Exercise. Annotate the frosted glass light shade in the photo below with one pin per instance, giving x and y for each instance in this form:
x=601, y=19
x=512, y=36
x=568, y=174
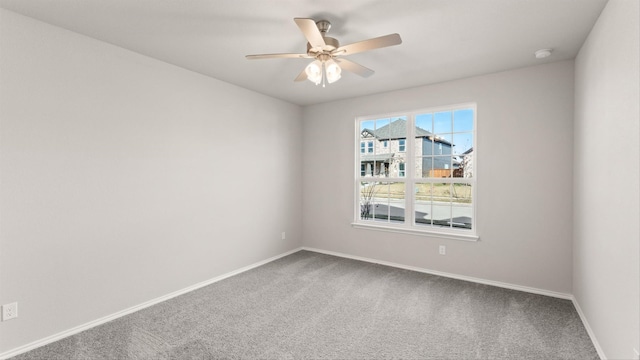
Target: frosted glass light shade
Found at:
x=314, y=72
x=333, y=71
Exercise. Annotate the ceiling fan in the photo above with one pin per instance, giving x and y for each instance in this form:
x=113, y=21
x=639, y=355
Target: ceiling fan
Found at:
x=326, y=51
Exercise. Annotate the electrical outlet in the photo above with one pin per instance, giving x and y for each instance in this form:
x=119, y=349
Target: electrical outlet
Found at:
x=9, y=311
x=442, y=250
x=284, y=235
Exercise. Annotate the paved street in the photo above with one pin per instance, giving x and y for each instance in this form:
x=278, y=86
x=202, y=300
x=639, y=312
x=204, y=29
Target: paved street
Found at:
x=424, y=210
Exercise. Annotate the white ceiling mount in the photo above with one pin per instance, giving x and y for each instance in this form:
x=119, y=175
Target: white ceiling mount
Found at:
x=543, y=53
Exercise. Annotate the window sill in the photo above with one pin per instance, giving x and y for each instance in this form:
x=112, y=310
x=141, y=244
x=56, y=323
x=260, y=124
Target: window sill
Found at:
x=420, y=232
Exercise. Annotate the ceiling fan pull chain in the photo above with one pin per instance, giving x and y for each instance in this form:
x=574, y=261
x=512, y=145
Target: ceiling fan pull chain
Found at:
x=324, y=74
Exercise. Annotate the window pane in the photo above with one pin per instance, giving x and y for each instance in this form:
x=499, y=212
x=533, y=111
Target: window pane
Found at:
x=397, y=133
x=395, y=169
x=427, y=145
x=461, y=217
x=441, y=215
x=442, y=123
x=425, y=122
x=382, y=123
x=442, y=167
x=462, y=142
x=442, y=145
x=382, y=201
x=423, y=166
x=441, y=193
x=422, y=204
x=461, y=211
x=461, y=194
x=381, y=168
x=466, y=164
x=463, y=120
x=367, y=191
x=394, y=210
x=367, y=125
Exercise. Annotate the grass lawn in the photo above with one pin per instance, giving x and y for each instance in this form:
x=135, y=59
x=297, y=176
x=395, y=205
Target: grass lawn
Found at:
x=458, y=193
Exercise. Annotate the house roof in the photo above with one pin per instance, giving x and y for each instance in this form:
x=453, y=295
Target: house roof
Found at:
x=397, y=129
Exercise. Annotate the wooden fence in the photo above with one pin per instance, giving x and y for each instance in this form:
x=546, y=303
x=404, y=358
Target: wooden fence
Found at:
x=445, y=173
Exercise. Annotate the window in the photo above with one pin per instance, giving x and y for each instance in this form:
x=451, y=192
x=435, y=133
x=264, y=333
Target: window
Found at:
x=366, y=147
x=385, y=143
x=435, y=194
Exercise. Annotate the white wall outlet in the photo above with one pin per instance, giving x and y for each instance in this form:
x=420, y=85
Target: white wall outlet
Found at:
x=284, y=235
x=442, y=250
x=9, y=311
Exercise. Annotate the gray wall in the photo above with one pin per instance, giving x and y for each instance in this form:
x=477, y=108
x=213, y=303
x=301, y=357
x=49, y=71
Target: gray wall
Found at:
x=606, y=232
x=125, y=179
x=524, y=214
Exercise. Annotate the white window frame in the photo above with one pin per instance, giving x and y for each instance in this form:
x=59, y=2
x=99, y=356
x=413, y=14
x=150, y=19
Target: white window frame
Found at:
x=408, y=227
x=403, y=146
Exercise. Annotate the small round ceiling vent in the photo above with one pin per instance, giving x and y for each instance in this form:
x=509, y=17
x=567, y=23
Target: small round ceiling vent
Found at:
x=543, y=53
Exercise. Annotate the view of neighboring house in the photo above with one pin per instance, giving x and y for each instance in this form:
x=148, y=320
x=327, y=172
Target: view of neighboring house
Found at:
x=467, y=163
x=383, y=152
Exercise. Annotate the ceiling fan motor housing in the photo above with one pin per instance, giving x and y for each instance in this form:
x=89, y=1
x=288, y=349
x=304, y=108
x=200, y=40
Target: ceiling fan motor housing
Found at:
x=330, y=45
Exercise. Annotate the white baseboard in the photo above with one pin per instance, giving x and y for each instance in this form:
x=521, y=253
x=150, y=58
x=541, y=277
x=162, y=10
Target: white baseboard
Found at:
x=592, y=335
x=449, y=275
x=94, y=323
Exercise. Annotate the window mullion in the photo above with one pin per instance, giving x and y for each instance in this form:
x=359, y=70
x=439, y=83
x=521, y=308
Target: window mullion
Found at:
x=410, y=170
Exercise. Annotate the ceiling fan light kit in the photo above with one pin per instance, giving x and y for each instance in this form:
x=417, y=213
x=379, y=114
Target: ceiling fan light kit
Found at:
x=321, y=71
x=325, y=51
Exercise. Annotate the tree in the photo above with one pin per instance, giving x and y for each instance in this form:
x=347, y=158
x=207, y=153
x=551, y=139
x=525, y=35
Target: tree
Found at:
x=367, y=193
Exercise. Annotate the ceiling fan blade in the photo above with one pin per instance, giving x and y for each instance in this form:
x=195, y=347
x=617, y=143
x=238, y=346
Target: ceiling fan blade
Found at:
x=302, y=76
x=311, y=32
x=354, y=67
x=273, y=56
x=371, y=44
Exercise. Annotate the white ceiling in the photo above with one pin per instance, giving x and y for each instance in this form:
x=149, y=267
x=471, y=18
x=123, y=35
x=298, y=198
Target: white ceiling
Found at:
x=442, y=39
